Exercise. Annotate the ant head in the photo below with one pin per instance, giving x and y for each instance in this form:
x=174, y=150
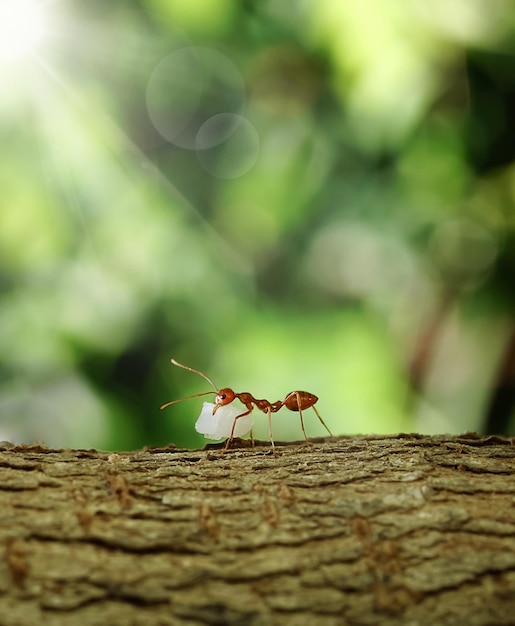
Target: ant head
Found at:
x=224, y=396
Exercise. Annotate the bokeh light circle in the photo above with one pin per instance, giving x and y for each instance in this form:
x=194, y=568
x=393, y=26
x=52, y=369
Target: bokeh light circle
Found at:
x=187, y=88
x=236, y=155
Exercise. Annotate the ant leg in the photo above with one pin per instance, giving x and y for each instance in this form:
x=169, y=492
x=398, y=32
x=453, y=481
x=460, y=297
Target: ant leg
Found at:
x=323, y=423
x=301, y=417
x=269, y=413
x=231, y=436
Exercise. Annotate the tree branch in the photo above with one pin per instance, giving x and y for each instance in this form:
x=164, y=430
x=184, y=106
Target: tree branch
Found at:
x=365, y=530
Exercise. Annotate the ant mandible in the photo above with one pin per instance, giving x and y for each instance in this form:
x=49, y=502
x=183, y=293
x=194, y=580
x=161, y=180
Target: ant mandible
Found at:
x=294, y=401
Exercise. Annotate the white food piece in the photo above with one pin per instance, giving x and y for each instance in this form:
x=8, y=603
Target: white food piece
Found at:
x=219, y=425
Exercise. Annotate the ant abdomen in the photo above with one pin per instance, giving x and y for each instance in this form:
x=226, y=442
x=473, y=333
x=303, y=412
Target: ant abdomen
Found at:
x=304, y=398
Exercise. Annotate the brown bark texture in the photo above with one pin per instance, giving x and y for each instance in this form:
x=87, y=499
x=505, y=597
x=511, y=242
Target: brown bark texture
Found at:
x=407, y=529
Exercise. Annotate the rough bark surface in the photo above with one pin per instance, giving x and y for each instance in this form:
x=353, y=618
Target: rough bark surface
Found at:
x=360, y=531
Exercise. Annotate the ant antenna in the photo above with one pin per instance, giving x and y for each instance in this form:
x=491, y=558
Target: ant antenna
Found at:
x=196, y=395
x=185, y=367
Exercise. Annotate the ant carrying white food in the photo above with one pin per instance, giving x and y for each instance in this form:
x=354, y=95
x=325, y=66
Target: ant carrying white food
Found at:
x=294, y=401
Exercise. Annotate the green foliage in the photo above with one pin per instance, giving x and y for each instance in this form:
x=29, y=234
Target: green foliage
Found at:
x=286, y=196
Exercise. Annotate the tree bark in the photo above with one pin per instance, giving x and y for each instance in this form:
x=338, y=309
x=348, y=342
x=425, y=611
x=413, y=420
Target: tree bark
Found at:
x=393, y=530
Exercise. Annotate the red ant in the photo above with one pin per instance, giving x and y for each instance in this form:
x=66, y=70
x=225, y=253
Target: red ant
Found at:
x=294, y=401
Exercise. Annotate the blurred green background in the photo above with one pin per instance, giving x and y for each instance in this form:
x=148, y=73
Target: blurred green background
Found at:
x=284, y=194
